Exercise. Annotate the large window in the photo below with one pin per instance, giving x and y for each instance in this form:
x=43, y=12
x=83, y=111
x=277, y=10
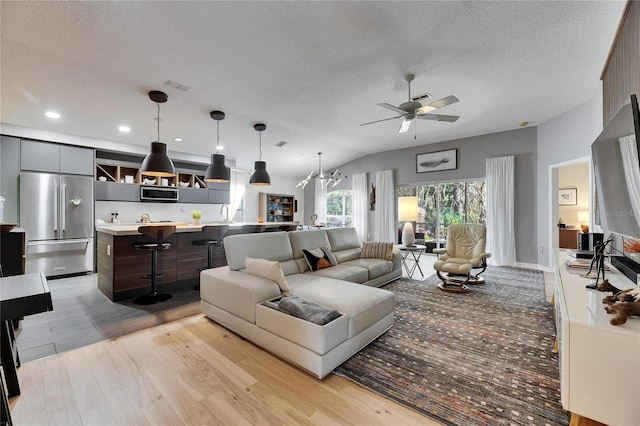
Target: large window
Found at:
x=339, y=208
x=442, y=204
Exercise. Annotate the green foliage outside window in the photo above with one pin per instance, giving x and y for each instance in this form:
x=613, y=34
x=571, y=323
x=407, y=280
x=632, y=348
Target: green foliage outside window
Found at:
x=339, y=208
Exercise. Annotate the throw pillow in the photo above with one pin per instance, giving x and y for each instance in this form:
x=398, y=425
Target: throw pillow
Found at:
x=319, y=258
x=269, y=269
x=377, y=250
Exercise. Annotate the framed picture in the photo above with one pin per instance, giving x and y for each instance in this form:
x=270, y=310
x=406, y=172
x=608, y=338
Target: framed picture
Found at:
x=435, y=161
x=568, y=197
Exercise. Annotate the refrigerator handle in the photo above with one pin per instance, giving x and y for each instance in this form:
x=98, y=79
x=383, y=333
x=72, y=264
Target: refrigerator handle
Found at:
x=63, y=201
x=55, y=207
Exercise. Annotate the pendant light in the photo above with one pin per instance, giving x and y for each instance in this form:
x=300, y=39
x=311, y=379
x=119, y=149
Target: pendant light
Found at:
x=217, y=172
x=260, y=177
x=157, y=162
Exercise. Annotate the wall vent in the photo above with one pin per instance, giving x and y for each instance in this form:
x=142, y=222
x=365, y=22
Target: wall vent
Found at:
x=281, y=144
x=176, y=85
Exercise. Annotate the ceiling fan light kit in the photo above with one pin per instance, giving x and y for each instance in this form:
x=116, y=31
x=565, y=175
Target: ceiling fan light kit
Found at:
x=413, y=109
x=217, y=172
x=157, y=162
x=320, y=176
x=260, y=177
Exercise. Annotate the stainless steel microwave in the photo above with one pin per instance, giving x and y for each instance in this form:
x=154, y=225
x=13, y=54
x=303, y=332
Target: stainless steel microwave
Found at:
x=158, y=195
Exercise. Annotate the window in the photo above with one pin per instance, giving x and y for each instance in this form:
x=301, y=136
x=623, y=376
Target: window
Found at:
x=442, y=204
x=339, y=208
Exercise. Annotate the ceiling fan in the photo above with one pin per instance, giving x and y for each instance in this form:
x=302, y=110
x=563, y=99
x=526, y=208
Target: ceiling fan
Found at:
x=414, y=109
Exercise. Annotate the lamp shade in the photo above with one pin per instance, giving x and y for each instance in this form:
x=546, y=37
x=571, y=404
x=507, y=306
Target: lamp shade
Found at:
x=583, y=216
x=407, y=209
x=157, y=162
x=260, y=177
x=217, y=172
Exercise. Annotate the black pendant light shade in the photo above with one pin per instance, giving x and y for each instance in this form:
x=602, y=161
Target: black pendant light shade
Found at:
x=217, y=172
x=260, y=177
x=157, y=162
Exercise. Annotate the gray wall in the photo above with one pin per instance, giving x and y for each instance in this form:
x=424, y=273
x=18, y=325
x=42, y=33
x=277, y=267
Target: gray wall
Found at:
x=472, y=154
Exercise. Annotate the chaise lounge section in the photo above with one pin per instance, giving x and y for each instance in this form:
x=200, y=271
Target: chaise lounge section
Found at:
x=235, y=299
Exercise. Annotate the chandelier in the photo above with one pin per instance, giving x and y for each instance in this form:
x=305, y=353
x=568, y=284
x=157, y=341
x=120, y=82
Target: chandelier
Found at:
x=325, y=180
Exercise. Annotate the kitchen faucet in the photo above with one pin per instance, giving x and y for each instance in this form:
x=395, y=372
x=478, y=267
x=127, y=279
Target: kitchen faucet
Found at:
x=225, y=207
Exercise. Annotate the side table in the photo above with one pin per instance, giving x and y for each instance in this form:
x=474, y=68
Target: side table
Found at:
x=411, y=254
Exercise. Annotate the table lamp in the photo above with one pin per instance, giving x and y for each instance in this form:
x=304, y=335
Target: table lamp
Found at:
x=408, y=212
x=583, y=219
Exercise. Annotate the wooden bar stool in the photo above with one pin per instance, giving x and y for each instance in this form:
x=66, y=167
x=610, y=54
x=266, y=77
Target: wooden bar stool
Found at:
x=214, y=235
x=155, y=245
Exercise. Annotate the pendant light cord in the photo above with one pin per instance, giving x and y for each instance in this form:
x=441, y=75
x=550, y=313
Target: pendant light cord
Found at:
x=217, y=135
x=260, y=135
x=158, y=120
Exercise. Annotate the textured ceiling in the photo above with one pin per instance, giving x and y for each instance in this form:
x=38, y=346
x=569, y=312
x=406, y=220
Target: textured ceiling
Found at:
x=312, y=71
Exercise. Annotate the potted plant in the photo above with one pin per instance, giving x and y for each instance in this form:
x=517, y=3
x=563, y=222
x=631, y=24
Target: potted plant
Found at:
x=197, y=217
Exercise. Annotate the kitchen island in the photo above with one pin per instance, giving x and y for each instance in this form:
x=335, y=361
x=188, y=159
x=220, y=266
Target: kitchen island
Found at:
x=121, y=267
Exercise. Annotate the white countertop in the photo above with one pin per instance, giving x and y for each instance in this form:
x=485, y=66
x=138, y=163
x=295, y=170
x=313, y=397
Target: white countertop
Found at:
x=132, y=228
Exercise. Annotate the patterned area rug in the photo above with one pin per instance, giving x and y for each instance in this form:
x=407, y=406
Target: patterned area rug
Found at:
x=478, y=358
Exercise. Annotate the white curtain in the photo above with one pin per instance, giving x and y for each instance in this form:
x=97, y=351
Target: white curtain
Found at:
x=629, y=152
x=385, y=224
x=359, y=204
x=321, y=202
x=239, y=181
x=501, y=240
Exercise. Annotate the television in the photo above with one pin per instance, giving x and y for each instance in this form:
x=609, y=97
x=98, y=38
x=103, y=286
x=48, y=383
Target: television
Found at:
x=616, y=194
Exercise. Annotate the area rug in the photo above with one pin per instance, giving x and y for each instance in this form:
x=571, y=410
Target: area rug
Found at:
x=478, y=358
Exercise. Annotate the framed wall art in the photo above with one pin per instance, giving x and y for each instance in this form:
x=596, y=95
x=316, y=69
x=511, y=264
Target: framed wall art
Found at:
x=435, y=161
x=568, y=197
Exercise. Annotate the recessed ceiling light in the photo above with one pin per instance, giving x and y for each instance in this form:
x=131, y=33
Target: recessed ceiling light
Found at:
x=524, y=123
x=177, y=139
x=220, y=147
x=52, y=114
x=124, y=129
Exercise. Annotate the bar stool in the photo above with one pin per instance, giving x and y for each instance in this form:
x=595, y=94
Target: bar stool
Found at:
x=155, y=245
x=214, y=235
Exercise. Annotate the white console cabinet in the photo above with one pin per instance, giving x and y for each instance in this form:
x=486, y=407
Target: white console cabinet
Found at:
x=599, y=362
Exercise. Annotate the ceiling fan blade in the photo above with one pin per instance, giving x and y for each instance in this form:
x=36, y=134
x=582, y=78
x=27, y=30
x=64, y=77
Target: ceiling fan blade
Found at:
x=437, y=104
x=378, y=121
x=439, y=117
x=392, y=108
x=406, y=123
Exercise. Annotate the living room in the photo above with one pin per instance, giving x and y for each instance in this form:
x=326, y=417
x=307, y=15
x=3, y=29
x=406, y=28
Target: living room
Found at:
x=546, y=142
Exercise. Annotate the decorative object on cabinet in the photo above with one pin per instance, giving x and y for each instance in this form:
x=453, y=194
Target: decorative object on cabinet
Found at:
x=276, y=207
x=324, y=180
x=157, y=162
x=260, y=177
x=568, y=197
x=217, y=171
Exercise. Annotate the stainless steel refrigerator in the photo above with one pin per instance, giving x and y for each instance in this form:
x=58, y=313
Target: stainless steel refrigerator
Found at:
x=56, y=212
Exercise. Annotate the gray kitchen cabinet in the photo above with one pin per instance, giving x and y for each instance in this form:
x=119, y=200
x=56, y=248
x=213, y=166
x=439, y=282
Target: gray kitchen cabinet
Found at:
x=187, y=195
x=9, y=172
x=219, y=196
x=55, y=158
x=109, y=191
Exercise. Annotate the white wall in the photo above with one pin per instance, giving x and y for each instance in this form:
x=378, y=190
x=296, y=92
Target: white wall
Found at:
x=562, y=139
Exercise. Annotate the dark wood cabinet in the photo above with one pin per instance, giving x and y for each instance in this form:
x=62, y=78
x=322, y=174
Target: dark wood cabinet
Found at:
x=12, y=252
x=568, y=238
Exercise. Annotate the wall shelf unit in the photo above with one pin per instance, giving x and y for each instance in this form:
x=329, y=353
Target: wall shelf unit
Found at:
x=276, y=207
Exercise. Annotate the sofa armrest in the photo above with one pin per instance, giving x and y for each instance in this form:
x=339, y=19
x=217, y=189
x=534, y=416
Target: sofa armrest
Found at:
x=236, y=292
x=396, y=259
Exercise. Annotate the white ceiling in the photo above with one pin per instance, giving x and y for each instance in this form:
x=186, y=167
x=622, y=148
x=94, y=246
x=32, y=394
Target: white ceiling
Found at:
x=312, y=71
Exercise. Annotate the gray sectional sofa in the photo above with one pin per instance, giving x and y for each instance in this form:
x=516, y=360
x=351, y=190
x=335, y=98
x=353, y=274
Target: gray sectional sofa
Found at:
x=234, y=298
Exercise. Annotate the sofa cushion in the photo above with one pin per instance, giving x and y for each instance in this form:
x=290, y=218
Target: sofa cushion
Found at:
x=347, y=254
x=376, y=267
x=377, y=250
x=319, y=258
x=269, y=246
x=362, y=304
x=350, y=273
x=301, y=240
x=343, y=238
x=269, y=269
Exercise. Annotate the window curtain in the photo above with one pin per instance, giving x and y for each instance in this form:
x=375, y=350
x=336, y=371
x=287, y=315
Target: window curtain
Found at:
x=321, y=202
x=629, y=152
x=385, y=223
x=239, y=181
x=359, y=204
x=501, y=240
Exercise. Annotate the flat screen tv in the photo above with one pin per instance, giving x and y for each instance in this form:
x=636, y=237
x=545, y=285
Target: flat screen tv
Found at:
x=617, y=194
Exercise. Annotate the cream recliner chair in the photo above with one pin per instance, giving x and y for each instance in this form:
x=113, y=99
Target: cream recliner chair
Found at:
x=464, y=252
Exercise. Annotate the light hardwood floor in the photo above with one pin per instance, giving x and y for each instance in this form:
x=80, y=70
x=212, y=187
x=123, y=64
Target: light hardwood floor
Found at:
x=187, y=372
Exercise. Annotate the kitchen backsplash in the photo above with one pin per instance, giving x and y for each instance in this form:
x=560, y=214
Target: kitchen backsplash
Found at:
x=180, y=212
